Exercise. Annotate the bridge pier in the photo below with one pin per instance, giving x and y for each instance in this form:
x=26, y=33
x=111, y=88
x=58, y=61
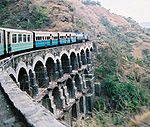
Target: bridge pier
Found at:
x=33, y=83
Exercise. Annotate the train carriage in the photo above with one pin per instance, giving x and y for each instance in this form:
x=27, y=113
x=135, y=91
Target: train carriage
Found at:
x=62, y=37
x=16, y=40
x=67, y=37
x=73, y=37
x=1, y=43
x=43, y=39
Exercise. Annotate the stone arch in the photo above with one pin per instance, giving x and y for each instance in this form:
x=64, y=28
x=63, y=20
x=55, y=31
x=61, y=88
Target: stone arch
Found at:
x=82, y=48
x=72, y=50
x=64, y=52
x=46, y=102
x=78, y=83
x=81, y=105
x=38, y=58
x=41, y=74
x=65, y=63
x=83, y=57
x=49, y=55
x=24, y=80
x=70, y=88
x=50, y=67
x=57, y=98
x=21, y=65
x=73, y=60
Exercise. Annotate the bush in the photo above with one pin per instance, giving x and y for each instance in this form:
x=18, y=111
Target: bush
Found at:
x=91, y=2
x=148, y=34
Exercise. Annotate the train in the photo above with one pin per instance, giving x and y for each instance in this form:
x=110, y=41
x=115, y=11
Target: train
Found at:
x=15, y=40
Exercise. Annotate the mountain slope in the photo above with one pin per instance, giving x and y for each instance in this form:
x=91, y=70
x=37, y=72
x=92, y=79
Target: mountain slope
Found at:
x=96, y=19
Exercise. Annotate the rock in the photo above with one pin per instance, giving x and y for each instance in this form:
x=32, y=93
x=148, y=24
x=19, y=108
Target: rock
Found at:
x=64, y=18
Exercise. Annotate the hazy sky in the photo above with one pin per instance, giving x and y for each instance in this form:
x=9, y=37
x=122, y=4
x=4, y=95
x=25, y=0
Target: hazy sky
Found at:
x=139, y=10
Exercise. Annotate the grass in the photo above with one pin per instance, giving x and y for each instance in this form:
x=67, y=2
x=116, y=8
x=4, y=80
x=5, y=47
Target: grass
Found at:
x=141, y=120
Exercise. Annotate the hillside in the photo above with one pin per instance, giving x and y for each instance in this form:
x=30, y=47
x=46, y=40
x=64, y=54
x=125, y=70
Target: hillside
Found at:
x=73, y=15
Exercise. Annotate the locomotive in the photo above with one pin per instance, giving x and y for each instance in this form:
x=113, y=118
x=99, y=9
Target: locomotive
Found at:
x=14, y=40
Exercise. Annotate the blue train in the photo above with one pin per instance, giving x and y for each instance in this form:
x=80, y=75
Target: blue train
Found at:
x=13, y=40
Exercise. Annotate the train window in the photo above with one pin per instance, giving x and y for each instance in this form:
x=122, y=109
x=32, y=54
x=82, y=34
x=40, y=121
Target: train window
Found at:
x=14, y=38
x=48, y=38
x=28, y=38
x=55, y=37
x=24, y=38
x=19, y=37
x=38, y=38
x=0, y=38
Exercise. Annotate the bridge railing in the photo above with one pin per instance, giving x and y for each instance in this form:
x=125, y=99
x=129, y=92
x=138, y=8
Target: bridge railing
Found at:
x=4, y=63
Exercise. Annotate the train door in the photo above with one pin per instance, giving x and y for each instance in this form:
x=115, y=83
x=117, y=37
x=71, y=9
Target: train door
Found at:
x=8, y=42
x=58, y=39
x=4, y=41
x=1, y=43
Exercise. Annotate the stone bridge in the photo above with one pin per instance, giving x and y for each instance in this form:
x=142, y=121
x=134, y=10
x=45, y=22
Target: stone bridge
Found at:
x=59, y=78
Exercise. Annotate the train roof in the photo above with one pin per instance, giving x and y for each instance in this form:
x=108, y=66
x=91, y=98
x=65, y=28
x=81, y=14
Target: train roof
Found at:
x=68, y=33
x=15, y=30
x=45, y=33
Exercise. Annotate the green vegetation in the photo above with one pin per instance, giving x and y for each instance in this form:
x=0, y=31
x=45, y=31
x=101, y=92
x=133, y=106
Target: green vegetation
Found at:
x=40, y=16
x=91, y=2
x=122, y=95
x=148, y=34
x=35, y=17
x=130, y=20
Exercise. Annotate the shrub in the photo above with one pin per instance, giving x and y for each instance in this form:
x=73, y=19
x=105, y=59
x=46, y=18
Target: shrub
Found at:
x=91, y=2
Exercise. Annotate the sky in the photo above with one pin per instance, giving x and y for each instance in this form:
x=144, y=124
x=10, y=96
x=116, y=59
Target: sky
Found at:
x=138, y=10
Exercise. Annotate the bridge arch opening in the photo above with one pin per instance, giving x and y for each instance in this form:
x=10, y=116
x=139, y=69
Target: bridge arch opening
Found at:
x=81, y=105
x=91, y=49
x=40, y=73
x=70, y=88
x=83, y=57
x=57, y=98
x=50, y=66
x=24, y=80
x=46, y=102
x=79, y=60
x=73, y=60
x=74, y=111
x=86, y=71
x=65, y=64
x=88, y=56
x=78, y=83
